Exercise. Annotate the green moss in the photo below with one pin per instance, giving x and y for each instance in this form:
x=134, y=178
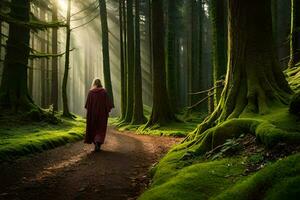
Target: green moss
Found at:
x=270, y=129
x=198, y=181
x=19, y=139
x=277, y=181
x=176, y=129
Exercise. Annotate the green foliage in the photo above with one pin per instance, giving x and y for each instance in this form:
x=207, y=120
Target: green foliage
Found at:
x=19, y=138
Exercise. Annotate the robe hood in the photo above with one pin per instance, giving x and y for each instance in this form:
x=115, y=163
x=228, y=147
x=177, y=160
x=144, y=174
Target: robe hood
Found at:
x=97, y=90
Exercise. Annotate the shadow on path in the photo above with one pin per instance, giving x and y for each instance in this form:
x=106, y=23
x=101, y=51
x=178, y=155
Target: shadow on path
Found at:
x=74, y=171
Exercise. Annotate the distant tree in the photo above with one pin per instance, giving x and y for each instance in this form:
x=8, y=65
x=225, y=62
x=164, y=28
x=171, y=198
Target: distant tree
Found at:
x=54, y=76
x=130, y=60
x=295, y=34
x=105, y=49
x=219, y=41
x=66, y=111
x=43, y=43
x=171, y=53
x=161, y=109
x=122, y=58
x=138, y=113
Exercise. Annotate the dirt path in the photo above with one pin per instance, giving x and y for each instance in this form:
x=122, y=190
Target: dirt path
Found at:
x=75, y=172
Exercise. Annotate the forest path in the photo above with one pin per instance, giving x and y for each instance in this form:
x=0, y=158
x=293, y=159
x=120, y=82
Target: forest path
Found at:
x=74, y=171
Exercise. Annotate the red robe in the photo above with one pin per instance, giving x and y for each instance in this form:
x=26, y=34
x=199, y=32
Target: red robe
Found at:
x=98, y=107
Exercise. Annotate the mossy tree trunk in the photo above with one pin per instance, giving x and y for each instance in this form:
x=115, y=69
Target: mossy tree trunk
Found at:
x=14, y=89
x=122, y=59
x=161, y=109
x=138, y=112
x=105, y=49
x=130, y=61
x=54, y=74
x=254, y=82
x=66, y=112
x=219, y=56
x=295, y=34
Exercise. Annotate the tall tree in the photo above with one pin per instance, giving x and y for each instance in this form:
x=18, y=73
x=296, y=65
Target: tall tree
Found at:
x=161, y=109
x=122, y=59
x=219, y=57
x=171, y=53
x=295, y=33
x=254, y=81
x=43, y=61
x=130, y=60
x=66, y=111
x=14, y=89
x=54, y=75
x=138, y=113
x=105, y=49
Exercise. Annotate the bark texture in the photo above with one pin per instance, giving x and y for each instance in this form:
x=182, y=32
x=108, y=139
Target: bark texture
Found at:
x=254, y=82
x=161, y=109
x=14, y=89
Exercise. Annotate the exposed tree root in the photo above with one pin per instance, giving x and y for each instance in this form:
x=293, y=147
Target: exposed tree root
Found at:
x=265, y=132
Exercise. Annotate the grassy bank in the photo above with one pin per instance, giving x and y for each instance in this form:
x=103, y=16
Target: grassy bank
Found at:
x=19, y=138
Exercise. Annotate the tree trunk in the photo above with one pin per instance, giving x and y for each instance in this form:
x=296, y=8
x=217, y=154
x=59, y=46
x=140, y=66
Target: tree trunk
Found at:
x=254, y=82
x=14, y=89
x=105, y=49
x=161, y=109
x=43, y=61
x=149, y=37
x=54, y=75
x=138, y=111
x=66, y=112
x=122, y=60
x=196, y=51
x=130, y=61
x=275, y=21
x=31, y=65
x=219, y=56
x=171, y=67
x=295, y=33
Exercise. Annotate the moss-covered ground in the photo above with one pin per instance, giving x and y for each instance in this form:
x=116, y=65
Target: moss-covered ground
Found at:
x=21, y=137
x=185, y=124
x=252, y=157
